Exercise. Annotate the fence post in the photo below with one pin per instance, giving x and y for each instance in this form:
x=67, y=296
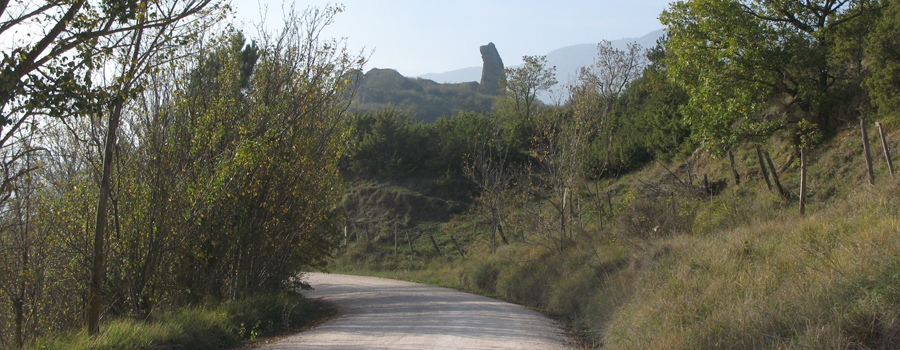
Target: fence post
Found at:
x=762, y=166
x=737, y=176
x=434, y=243
x=706, y=186
x=887, y=152
x=865, y=136
x=774, y=174
x=802, y=180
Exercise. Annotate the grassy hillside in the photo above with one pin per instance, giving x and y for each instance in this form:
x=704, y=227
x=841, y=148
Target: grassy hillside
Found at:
x=656, y=262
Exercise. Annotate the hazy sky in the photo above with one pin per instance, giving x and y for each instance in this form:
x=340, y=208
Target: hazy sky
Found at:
x=417, y=37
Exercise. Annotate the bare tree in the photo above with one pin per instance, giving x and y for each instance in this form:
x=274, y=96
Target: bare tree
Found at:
x=496, y=180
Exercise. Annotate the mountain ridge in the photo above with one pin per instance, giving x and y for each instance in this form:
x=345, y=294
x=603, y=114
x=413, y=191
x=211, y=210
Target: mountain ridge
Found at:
x=567, y=59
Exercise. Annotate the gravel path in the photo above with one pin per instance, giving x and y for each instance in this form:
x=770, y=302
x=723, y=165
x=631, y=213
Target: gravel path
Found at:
x=378, y=313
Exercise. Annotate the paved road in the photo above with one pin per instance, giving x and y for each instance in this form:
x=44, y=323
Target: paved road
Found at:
x=378, y=313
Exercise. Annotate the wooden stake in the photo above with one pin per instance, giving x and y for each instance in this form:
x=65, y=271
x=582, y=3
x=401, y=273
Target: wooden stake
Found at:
x=461, y=253
x=737, y=176
x=802, y=181
x=409, y=241
x=436, y=247
x=762, y=167
x=865, y=136
x=706, y=185
x=887, y=152
x=774, y=174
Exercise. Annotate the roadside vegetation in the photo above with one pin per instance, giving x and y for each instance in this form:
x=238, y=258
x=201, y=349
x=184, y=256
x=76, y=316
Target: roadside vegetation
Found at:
x=165, y=177
x=231, y=324
x=164, y=181
x=621, y=210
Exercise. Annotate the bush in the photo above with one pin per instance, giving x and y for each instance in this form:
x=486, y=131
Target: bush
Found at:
x=206, y=327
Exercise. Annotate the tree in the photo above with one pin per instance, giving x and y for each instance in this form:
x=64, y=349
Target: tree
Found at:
x=55, y=75
x=884, y=52
x=752, y=67
x=141, y=49
x=521, y=86
x=49, y=73
x=261, y=156
x=489, y=168
x=595, y=97
x=517, y=103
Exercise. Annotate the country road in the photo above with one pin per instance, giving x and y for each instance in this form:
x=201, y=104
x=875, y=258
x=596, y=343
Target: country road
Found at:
x=378, y=313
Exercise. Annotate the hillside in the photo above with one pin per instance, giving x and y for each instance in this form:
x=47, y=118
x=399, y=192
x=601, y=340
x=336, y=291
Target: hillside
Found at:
x=657, y=262
x=424, y=99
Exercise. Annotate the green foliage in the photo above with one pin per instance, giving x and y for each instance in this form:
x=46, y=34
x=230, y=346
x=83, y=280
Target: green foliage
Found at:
x=389, y=144
x=224, y=185
x=522, y=84
x=386, y=144
x=884, y=52
x=752, y=67
x=630, y=111
x=209, y=327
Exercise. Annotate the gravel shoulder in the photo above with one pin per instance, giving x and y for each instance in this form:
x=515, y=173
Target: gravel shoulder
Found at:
x=379, y=313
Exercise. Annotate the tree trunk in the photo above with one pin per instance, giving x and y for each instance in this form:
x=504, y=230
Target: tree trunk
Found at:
x=502, y=235
x=99, y=255
x=20, y=319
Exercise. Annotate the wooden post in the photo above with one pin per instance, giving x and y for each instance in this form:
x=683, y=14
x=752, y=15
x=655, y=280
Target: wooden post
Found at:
x=436, y=247
x=706, y=185
x=802, y=181
x=774, y=174
x=737, y=176
x=762, y=167
x=887, y=152
x=408, y=241
x=461, y=253
x=865, y=136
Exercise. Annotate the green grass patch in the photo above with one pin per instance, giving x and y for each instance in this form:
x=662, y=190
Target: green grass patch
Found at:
x=227, y=325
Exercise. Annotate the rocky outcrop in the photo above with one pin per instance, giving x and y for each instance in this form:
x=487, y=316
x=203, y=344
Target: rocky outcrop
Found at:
x=492, y=70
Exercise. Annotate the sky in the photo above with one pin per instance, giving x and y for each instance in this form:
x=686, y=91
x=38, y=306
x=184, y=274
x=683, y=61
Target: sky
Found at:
x=417, y=37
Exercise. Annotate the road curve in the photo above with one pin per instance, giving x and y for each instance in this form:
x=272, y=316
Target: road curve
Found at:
x=378, y=313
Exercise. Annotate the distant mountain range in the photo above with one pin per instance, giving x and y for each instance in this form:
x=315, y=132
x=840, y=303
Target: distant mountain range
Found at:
x=567, y=60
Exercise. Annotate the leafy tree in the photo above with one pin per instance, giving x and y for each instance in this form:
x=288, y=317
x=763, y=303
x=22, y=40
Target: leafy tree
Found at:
x=62, y=72
x=884, y=52
x=517, y=103
x=386, y=144
x=454, y=139
x=136, y=52
x=751, y=67
x=50, y=72
x=595, y=101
